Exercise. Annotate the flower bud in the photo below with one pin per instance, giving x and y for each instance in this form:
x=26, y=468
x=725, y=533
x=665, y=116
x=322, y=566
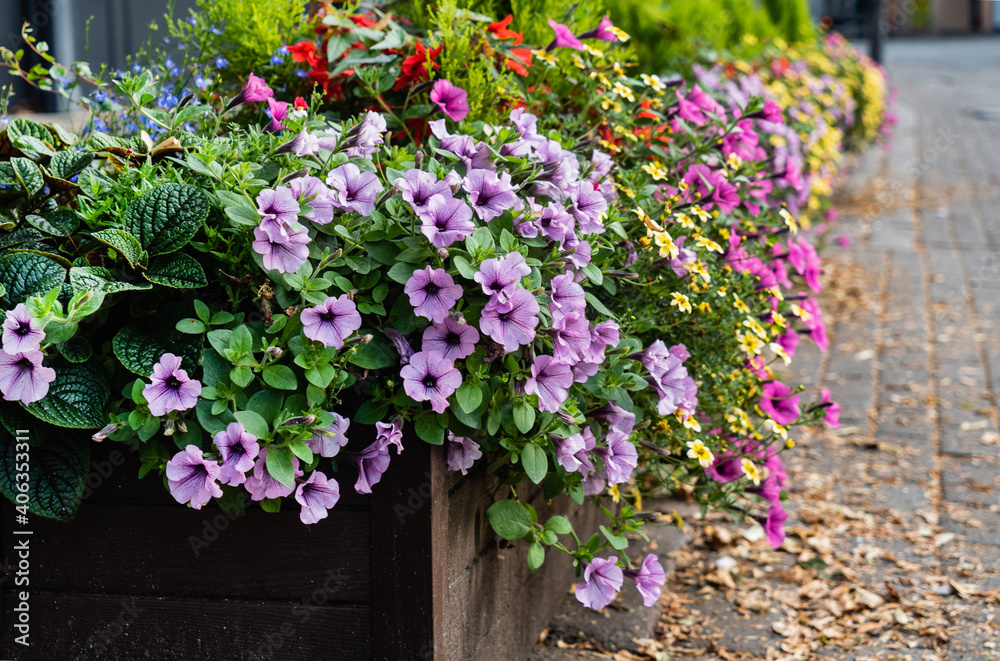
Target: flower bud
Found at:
x=105, y=432
x=168, y=428
x=299, y=420
x=274, y=352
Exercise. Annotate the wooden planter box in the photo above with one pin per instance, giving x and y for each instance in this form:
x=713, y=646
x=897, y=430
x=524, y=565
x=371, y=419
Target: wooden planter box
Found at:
x=410, y=572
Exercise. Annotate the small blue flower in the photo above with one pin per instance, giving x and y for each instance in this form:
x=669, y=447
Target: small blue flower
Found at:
x=100, y=125
x=191, y=19
x=136, y=67
x=169, y=63
x=74, y=178
x=277, y=59
x=99, y=96
x=302, y=74
x=131, y=127
x=201, y=82
x=215, y=30
x=167, y=100
x=175, y=71
x=221, y=62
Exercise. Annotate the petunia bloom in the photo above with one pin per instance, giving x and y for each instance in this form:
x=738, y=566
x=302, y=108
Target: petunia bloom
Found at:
x=238, y=448
x=511, y=324
x=261, y=485
x=489, y=194
x=170, y=389
x=649, y=579
x=373, y=461
x=316, y=495
x=445, y=220
x=433, y=293
x=328, y=444
x=451, y=99
x=602, y=580
x=832, y=416
x=361, y=140
x=192, y=479
x=332, y=321
x=277, y=110
x=254, y=91
x=21, y=333
x=774, y=525
x=452, y=339
x=499, y=276
x=602, y=31
x=462, y=453
x=620, y=457
x=564, y=37
x=777, y=401
x=23, y=378
x=277, y=208
x=354, y=190
x=429, y=377
x=318, y=196
x=572, y=452
x=417, y=187
x=282, y=254
x=550, y=380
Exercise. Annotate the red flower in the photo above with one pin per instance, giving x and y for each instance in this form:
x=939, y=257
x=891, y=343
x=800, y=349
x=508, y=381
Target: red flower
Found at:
x=500, y=31
x=305, y=51
x=520, y=60
x=415, y=66
x=363, y=20
x=300, y=103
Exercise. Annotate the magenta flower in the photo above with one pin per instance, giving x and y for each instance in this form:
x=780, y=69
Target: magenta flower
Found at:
x=254, y=91
x=602, y=31
x=284, y=254
x=317, y=495
x=693, y=107
x=433, y=293
x=832, y=416
x=313, y=192
x=373, y=461
x=332, y=321
x=417, y=187
x=649, y=579
x=620, y=457
x=778, y=402
x=564, y=37
x=352, y=189
x=462, y=453
x=789, y=341
x=452, y=339
x=23, y=378
x=21, y=333
x=489, y=195
x=572, y=452
x=238, y=449
x=772, y=113
x=602, y=580
x=445, y=220
x=499, y=276
x=452, y=100
x=170, y=389
x=277, y=208
x=277, y=111
x=329, y=444
x=774, y=529
x=550, y=380
x=429, y=377
x=192, y=479
x=261, y=485
x=511, y=324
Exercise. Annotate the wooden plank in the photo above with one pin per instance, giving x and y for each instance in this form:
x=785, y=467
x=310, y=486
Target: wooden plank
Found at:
x=408, y=533
x=469, y=533
x=118, y=628
x=181, y=552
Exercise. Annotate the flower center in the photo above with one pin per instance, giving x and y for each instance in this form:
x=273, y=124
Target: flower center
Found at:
x=327, y=316
x=429, y=381
x=431, y=288
x=503, y=316
x=496, y=286
x=172, y=382
x=23, y=328
x=25, y=364
x=453, y=339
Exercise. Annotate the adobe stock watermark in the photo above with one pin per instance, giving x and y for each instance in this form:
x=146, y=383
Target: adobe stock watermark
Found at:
x=22, y=537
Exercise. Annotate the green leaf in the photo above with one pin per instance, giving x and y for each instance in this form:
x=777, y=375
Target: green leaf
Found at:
x=253, y=423
x=524, y=417
x=429, y=430
x=598, y=305
x=302, y=451
x=76, y=350
x=28, y=175
x=165, y=218
x=267, y=403
x=536, y=556
x=67, y=163
x=469, y=397
x=271, y=505
x=99, y=279
x=280, y=377
x=126, y=244
x=618, y=542
x=371, y=412
x=139, y=349
x=25, y=273
x=57, y=471
x=535, y=462
x=400, y=272
x=61, y=222
x=75, y=399
x=510, y=519
x=243, y=215
x=179, y=271
x=559, y=524
x=279, y=466
x=372, y=356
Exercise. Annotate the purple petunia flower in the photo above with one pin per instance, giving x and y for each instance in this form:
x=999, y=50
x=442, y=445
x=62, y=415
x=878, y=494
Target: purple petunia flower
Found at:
x=304, y=188
x=430, y=377
x=23, y=378
x=669, y=376
x=489, y=195
x=567, y=295
x=352, y=189
x=832, y=417
x=362, y=139
x=462, y=453
x=261, y=485
x=603, y=335
x=620, y=457
x=417, y=187
x=550, y=380
x=277, y=209
x=373, y=461
x=511, y=324
x=332, y=321
x=277, y=111
x=564, y=37
x=433, y=293
x=445, y=220
x=617, y=417
x=192, y=479
x=238, y=449
x=571, y=337
x=303, y=144
x=282, y=254
x=255, y=90
x=21, y=333
x=602, y=580
x=774, y=529
x=317, y=495
x=649, y=579
x=499, y=276
x=391, y=433
x=452, y=339
x=329, y=444
x=572, y=452
x=777, y=401
x=451, y=99
x=588, y=205
x=170, y=389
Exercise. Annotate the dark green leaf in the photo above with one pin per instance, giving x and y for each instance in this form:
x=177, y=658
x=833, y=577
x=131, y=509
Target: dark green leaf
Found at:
x=57, y=471
x=254, y=423
x=99, y=279
x=373, y=356
x=469, y=397
x=559, y=524
x=67, y=163
x=279, y=466
x=429, y=430
x=535, y=462
x=76, y=350
x=126, y=244
x=25, y=274
x=179, y=271
x=139, y=349
x=29, y=175
x=165, y=218
x=280, y=377
x=510, y=519
x=524, y=417
x=75, y=399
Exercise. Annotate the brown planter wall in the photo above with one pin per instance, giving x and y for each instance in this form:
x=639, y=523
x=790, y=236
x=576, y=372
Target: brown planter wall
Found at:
x=411, y=572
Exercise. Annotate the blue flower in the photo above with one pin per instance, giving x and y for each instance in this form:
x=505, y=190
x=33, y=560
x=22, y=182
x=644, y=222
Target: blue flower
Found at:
x=136, y=67
x=99, y=96
x=168, y=63
x=221, y=62
x=175, y=71
x=191, y=19
x=301, y=74
x=216, y=31
x=167, y=100
x=100, y=125
x=201, y=82
x=131, y=127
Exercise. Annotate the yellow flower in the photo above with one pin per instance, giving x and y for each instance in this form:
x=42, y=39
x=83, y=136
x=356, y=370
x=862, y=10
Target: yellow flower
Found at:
x=619, y=71
x=689, y=420
x=610, y=105
x=749, y=342
x=704, y=307
x=698, y=211
x=701, y=453
x=615, y=493
x=653, y=81
x=667, y=247
x=739, y=304
x=578, y=63
x=685, y=221
x=755, y=326
x=618, y=32
x=738, y=418
x=751, y=471
x=663, y=425
x=681, y=302
x=624, y=92
x=721, y=292
x=709, y=244
x=779, y=320
x=800, y=313
x=789, y=444
x=699, y=269
x=656, y=171
x=545, y=56
x=779, y=351
x=590, y=50
x=734, y=162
